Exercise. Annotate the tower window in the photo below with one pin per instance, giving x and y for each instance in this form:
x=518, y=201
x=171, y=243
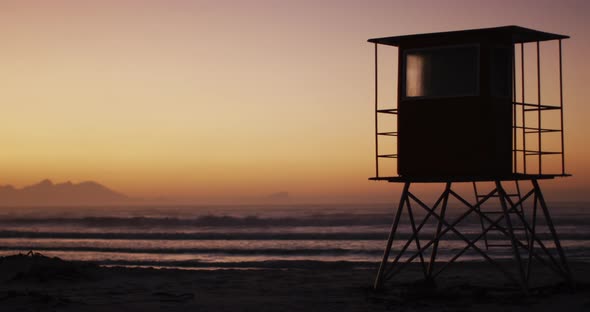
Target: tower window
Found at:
x=441, y=72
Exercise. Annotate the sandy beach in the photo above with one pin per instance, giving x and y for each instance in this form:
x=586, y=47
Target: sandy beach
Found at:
x=39, y=283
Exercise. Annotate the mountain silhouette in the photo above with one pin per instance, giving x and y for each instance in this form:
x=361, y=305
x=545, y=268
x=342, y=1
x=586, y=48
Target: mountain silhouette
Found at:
x=47, y=193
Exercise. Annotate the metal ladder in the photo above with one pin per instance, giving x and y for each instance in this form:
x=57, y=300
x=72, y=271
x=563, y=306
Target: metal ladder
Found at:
x=519, y=210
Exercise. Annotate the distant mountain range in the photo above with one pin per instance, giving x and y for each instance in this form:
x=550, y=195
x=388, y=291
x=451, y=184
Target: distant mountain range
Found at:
x=47, y=193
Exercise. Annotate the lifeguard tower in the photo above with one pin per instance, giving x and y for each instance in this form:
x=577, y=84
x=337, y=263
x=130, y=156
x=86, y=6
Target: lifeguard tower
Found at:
x=470, y=110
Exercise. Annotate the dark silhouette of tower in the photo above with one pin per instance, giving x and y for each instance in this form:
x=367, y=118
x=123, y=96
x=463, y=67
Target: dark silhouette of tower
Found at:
x=465, y=113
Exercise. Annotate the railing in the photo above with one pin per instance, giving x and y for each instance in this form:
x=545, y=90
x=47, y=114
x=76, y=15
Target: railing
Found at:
x=525, y=129
x=378, y=132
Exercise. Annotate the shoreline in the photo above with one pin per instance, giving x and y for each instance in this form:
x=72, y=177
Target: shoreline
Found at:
x=40, y=283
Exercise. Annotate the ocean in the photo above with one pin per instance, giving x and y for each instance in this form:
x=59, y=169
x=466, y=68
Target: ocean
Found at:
x=210, y=237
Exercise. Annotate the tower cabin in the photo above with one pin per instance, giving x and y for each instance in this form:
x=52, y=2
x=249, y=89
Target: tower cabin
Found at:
x=471, y=107
x=462, y=111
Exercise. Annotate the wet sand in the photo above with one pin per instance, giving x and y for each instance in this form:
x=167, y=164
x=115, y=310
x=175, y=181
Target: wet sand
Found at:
x=38, y=283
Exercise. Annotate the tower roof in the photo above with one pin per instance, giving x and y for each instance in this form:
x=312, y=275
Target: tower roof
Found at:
x=515, y=34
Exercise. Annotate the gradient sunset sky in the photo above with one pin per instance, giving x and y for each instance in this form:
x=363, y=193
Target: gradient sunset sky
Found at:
x=213, y=100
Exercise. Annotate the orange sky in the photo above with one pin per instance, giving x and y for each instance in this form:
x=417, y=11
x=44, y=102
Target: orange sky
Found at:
x=206, y=100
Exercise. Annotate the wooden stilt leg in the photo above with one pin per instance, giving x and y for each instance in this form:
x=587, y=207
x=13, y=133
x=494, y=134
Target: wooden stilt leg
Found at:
x=515, y=250
x=438, y=230
x=379, y=280
x=564, y=264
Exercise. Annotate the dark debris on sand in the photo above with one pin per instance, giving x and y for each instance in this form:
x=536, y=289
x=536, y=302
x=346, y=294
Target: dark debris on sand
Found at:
x=34, y=266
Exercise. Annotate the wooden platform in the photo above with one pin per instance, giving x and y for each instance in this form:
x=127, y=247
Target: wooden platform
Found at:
x=512, y=177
